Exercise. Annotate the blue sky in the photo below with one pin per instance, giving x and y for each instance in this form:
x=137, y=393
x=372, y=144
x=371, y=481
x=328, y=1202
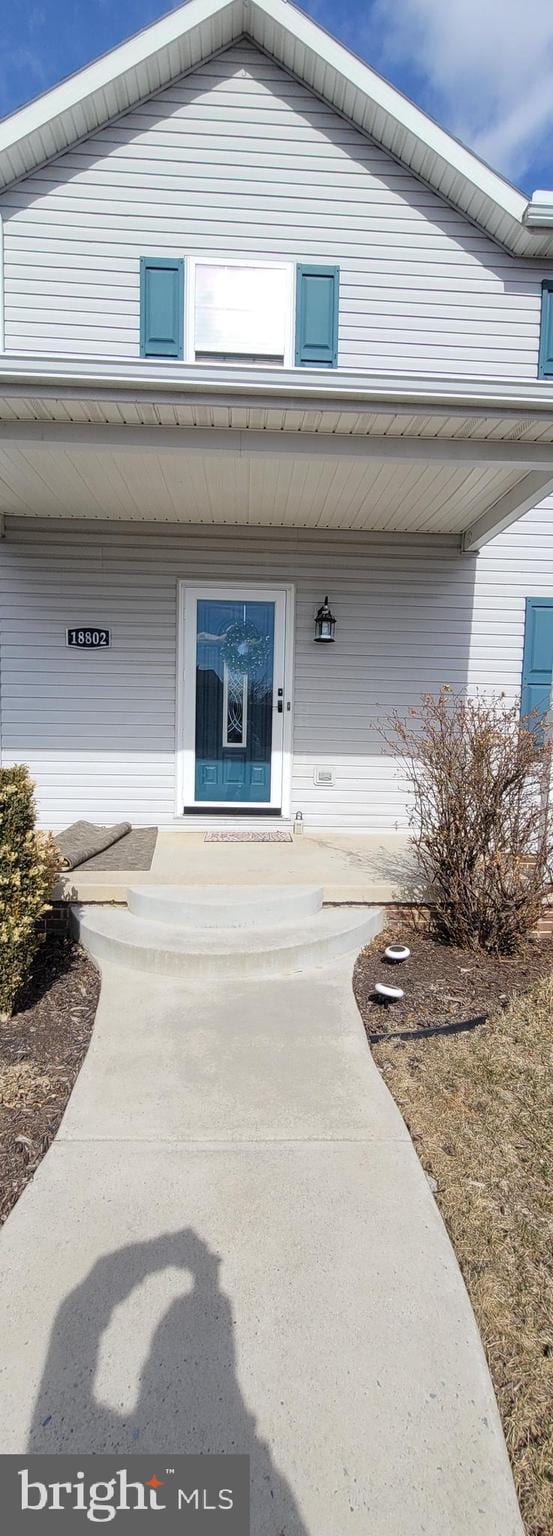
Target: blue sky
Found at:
x=483, y=68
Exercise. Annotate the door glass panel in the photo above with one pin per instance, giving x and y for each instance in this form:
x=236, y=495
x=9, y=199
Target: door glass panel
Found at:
x=234, y=699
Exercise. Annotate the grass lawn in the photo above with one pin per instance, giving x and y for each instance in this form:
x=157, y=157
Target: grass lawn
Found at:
x=479, y=1106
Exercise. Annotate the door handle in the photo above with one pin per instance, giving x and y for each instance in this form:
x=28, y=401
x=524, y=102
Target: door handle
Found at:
x=280, y=707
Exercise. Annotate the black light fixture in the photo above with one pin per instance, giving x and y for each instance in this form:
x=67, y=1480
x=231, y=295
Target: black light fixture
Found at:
x=325, y=623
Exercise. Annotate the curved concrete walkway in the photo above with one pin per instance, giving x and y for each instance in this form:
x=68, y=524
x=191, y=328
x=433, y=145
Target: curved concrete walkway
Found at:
x=231, y=1245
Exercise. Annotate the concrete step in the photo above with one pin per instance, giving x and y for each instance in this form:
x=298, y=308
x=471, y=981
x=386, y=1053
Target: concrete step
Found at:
x=116, y=935
x=224, y=906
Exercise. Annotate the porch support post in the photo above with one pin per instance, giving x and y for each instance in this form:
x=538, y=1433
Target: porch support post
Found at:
x=520, y=499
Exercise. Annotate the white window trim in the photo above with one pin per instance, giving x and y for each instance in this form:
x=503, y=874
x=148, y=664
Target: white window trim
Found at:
x=191, y=262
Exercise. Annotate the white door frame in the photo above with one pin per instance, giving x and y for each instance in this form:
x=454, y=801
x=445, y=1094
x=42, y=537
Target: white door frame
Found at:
x=281, y=764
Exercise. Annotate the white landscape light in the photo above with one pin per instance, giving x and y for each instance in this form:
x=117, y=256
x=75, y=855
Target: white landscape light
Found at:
x=397, y=952
x=388, y=994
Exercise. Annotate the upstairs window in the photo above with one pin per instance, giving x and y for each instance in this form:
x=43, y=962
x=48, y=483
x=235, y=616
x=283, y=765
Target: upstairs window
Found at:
x=211, y=310
x=241, y=313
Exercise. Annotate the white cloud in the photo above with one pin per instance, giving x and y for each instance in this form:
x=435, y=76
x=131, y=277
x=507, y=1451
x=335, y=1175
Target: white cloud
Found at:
x=489, y=67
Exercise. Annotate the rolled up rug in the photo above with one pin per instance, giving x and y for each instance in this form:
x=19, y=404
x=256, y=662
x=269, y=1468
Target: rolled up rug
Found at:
x=82, y=840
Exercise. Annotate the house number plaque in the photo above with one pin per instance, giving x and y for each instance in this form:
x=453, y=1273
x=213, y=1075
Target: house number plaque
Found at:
x=89, y=638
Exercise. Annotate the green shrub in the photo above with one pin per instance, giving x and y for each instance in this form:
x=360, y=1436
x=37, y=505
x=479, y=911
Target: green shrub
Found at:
x=28, y=868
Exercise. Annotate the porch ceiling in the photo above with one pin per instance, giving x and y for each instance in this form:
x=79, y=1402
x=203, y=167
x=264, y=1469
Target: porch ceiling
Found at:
x=85, y=450
x=315, y=491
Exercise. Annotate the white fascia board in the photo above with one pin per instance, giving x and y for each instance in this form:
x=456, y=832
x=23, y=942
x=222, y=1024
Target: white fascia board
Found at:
x=523, y=496
x=396, y=106
x=105, y=71
x=20, y=372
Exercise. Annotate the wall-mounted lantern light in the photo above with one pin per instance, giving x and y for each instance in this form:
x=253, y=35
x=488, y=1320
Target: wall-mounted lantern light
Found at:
x=325, y=623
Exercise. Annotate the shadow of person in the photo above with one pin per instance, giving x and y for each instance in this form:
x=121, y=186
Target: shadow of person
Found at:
x=189, y=1398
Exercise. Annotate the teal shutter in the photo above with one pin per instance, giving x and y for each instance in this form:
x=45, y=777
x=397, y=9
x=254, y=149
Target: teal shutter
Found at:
x=317, y=316
x=537, y=666
x=161, y=307
x=545, y=366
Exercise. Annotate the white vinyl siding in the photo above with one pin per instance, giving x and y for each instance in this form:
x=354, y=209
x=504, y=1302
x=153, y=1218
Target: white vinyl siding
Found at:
x=240, y=158
x=98, y=729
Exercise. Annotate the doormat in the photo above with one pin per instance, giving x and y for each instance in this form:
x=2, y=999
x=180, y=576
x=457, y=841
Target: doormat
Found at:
x=244, y=836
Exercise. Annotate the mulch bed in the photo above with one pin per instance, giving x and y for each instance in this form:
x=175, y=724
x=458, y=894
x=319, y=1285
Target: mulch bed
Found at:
x=41, y=1050
x=445, y=988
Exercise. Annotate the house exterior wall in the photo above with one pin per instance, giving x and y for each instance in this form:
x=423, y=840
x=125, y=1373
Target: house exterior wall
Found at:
x=99, y=731
x=239, y=158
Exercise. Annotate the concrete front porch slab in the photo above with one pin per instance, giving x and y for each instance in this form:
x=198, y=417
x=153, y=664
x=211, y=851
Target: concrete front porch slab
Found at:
x=364, y=867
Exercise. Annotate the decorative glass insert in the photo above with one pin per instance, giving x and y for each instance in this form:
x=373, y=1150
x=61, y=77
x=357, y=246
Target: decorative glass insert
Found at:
x=235, y=707
x=234, y=700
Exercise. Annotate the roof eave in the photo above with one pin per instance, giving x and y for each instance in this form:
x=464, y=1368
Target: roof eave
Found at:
x=20, y=373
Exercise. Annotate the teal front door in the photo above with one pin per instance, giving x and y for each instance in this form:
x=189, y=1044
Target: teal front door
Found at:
x=238, y=697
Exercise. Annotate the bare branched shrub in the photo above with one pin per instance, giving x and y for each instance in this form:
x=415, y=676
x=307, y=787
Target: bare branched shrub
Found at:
x=480, y=817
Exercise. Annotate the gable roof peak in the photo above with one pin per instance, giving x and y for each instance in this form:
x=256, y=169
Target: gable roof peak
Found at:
x=187, y=37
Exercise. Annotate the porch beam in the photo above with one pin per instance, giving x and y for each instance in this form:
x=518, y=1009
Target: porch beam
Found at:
x=252, y=443
x=512, y=505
